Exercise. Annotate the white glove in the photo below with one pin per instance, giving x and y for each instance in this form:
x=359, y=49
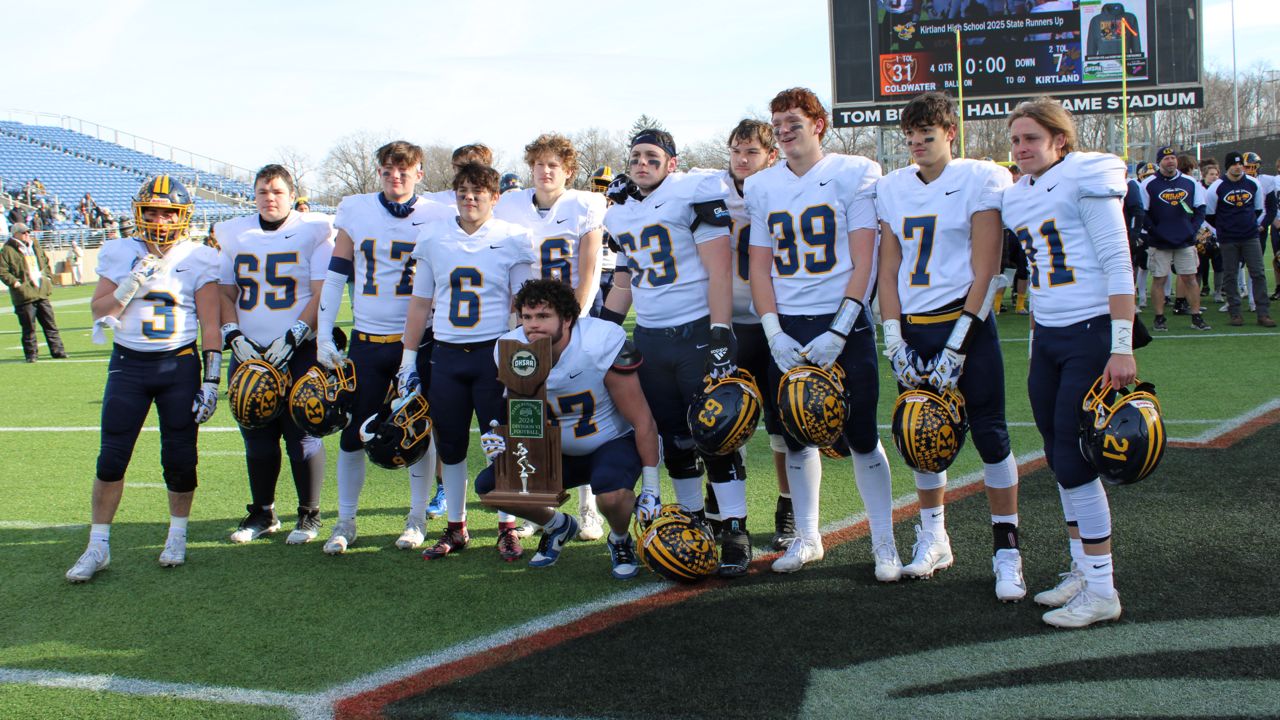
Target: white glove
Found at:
x=492, y=443
x=784, y=348
x=242, y=348
x=946, y=371
x=206, y=402
x=647, y=506
x=407, y=381
x=142, y=270
x=824, y=349
x=327, y=353
x=282, y=349
x=906, y=365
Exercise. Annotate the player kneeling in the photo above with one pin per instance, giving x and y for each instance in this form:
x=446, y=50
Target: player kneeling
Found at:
x=607, y=435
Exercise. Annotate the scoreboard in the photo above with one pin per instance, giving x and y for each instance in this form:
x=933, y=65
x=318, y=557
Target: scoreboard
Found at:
x=884, y=52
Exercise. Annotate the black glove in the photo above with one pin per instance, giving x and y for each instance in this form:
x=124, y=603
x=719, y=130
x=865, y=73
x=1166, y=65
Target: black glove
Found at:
x=722, y=353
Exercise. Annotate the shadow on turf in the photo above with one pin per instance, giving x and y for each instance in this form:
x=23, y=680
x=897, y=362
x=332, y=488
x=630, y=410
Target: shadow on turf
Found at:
x=1186, y=542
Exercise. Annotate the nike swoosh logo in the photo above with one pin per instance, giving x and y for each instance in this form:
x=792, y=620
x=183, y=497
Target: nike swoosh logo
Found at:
x=823, y=183
x=560, y=221
x=951, y=192
x=286, y=237
x=574, y=375
x=495, y=247
x=178, y=270
x=655, y=207
x=1051, y=189
x=424, y=222
x=1099, y=567
x=702, y=347
x=935, y=514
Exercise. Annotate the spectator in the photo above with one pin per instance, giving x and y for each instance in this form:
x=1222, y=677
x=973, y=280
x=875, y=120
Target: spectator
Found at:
x=1174, y=204
x=1144, y=171
x=303, y=204
x=1210, y=254
x=1234, y=208
x=88, y=211
x=76, y=257
x=25, y=269
x=16, y=215
x=1187, y=165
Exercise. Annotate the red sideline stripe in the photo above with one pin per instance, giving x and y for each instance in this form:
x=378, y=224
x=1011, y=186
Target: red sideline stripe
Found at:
x=369, y=705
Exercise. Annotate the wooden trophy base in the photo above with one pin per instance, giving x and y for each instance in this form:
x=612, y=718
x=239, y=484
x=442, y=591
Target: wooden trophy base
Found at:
x=519, y=500
x=539, y=460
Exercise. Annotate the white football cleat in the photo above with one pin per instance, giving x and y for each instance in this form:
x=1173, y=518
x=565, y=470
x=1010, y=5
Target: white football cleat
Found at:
x=888, y=564
x=930, y=554
x=175, y=551
x=1007, y=566
x=1085, y=609
x=804, y=549
x=306, y=529
x=414, y=533
x=1072, y=582
x=591, y=525
x=344, y=533
x=96, y=557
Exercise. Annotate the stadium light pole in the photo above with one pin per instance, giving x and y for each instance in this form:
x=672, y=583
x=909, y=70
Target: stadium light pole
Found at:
x=1235, y=80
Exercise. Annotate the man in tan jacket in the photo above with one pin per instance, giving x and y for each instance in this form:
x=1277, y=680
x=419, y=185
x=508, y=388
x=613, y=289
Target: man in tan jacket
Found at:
x=24, y=268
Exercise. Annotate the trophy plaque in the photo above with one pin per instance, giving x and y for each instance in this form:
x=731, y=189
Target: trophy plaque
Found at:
x=527, y=473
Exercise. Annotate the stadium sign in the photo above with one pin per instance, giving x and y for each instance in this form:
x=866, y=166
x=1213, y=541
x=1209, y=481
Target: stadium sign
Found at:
x=994, y=108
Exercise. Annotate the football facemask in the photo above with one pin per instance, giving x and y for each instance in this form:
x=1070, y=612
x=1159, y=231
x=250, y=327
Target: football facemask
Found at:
x=322, y=400
x=163, y=192
x=399, y=435
x=1122, y=433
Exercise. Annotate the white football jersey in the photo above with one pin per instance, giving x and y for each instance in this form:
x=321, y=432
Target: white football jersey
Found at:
x=1067, y=281
x=557, y=235
x=933, y=224
x=274, y=269
x=659, y=236
x=576, y=391
x=447, y=198
x=468, y=277
x=162, y=315
x=744, y=313
x=806, y=221
x=383, y=258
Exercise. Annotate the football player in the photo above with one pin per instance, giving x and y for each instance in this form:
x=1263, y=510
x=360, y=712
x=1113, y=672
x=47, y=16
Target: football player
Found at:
x=469, y=267
x=940, y=246
x=608, y=437
x=1067, y=212
x=601, y=178
x=477, y=153
x=675, y=264
x=272, y=268
x=752, y=148
x=373, y=249
x=566, y=226
x=813, y=255
x=159, y=292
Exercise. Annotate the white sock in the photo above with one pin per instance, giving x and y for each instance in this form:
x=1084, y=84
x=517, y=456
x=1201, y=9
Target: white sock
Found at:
x=1098, y=575
x=421, y=486
x=1011, y=519
x=100, y=532
x=689, y=492
x=875, y=485
x=586, y=499
x=934, y=520
x=351, y=470
x=506, y=517
x=732, y=498
x=178, y=526
x=555, y=523
x=804, y=475
x=1077, y=552
x=455, y=490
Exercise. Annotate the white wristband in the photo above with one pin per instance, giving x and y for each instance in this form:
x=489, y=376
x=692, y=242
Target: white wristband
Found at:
x=769, y=321
x=892, y=333
x=1121, y=337
x=649, y=479
x=408, y=359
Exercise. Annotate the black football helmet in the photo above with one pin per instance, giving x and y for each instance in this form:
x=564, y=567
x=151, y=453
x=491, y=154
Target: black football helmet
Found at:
x=258, y=392
x=1122, y=433
x=399, y=437
x=322, y=400
x=163, y=191
x=724, y=413
x=812, y=404
x=929, y=428
x=508, y=182
x=1146, y=170
x=678, y=546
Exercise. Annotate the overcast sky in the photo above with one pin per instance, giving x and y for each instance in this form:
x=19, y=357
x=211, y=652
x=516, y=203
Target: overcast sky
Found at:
x=238, y=80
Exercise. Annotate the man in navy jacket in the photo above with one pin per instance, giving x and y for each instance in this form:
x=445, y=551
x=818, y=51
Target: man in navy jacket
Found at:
x=1175, y=211
x=1234, y=208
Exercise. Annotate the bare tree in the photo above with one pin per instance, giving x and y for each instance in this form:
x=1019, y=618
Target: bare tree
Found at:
x=710, y=154
x=298, y=164
x=598, y=147
x=437, y=167
x=349, y=168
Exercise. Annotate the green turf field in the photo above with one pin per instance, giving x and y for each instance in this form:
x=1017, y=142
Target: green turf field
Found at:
x=294, y=630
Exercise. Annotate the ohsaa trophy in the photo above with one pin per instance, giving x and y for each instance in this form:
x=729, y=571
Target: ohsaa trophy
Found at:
x=527, y=473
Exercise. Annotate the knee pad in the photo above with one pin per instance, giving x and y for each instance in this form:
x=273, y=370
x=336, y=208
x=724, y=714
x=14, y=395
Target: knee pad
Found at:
x=110, y=470
x=180, y=480
x=725, y=468
x=311, y=446
x=1000, y=475
x=1093, y=512
x=777, y=443
x=931, y=481
x=681, y=458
